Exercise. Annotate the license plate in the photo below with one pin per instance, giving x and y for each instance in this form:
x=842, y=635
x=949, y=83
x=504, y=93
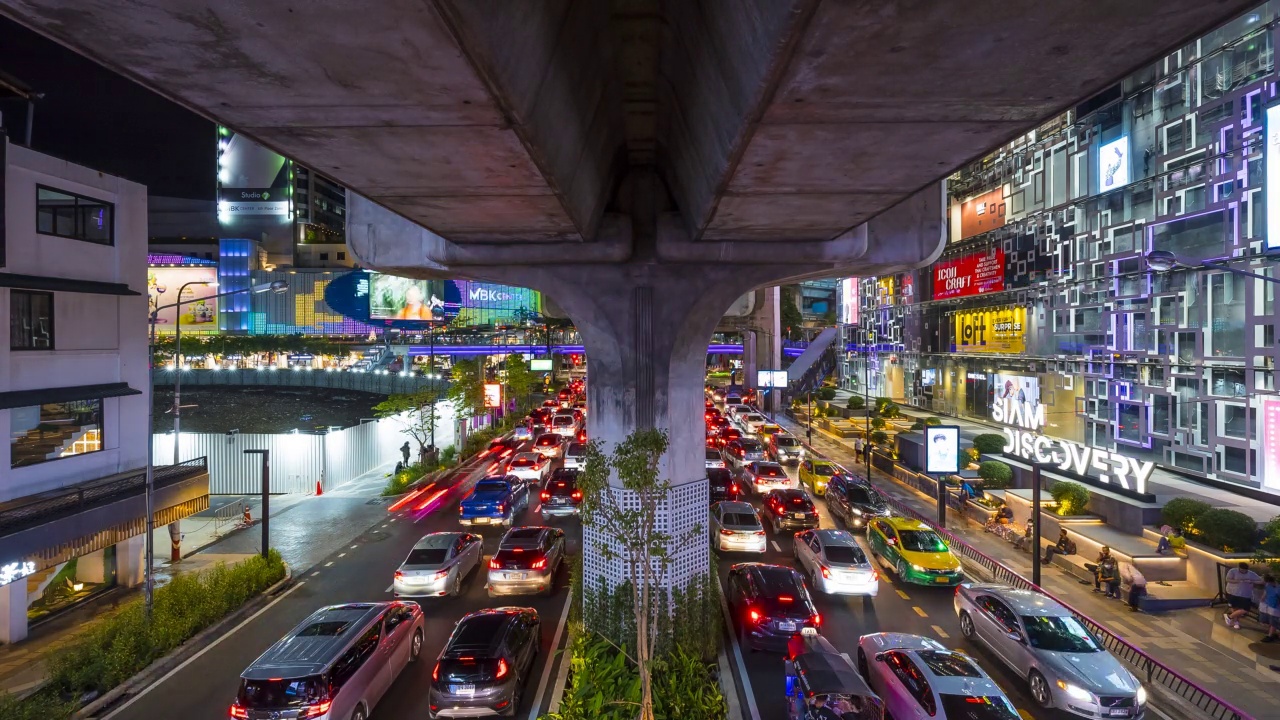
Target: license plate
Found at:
x=516, y=576
x=1119, y=712
x=798, y=516
x=942, y=579
x=467, y=689
x=787, y=626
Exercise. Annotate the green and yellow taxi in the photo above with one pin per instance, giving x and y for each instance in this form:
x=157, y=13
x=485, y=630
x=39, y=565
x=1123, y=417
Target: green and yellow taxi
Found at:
x=914, y=551
x=817, y=474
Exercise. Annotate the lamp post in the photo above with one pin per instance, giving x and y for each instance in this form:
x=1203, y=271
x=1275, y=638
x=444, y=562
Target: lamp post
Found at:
x=278, y=286
x=266, y=498
x=177, y=366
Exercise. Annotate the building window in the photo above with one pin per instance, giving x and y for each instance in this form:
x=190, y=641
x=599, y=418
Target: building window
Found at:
x=74, y=216
x=30, y=320
x=54, y=430
x=324, y=256
x=342, y=256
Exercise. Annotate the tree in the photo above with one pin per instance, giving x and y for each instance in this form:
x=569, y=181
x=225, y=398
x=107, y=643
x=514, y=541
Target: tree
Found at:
x=789, y=308
x=415, y=412
x=466, y=392
x=634, y=539
x=520, y=381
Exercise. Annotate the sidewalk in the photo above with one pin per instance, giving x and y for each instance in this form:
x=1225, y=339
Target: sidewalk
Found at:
x=304, y=529
x=1231, y=664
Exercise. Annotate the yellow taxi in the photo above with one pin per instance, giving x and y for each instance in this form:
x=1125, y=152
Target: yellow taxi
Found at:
x=917, y=553
x=817, y=473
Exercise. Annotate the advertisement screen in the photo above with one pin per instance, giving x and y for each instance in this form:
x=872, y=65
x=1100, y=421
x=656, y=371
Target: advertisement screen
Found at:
x=199, y=309
x=771, y=378
x=942, y=450
x=1113, y=164
x=1271, y=444
x=928, y=377
x=1020, y=389
x=983, y=213
x=540, y=365
x=252, y=180
x=1000, y=331
x=492, y=395
x=398, y=298
x=1273, y=179
x=849, y=301
x=969, y=275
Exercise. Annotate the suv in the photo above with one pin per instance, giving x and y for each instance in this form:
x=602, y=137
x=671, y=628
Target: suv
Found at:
x=769, y=604
x=337, y=662
x=721, y=485
x=790, y=510
x=784, y=448
x=485, y=664
x=761, y=477
x=561, y=496
x=855, y=503
x=526, y=561
x=738, y=453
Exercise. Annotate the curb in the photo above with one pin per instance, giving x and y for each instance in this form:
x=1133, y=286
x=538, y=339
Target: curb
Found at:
x=182, y=652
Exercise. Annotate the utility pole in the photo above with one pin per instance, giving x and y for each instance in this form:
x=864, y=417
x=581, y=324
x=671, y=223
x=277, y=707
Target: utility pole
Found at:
x=266, y=498
x=1035, y=524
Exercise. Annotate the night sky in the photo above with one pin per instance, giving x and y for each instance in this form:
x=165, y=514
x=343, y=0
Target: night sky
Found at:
x=92, y=116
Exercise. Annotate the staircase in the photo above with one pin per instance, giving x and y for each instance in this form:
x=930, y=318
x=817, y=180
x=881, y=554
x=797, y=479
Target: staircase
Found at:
x=816, y=362
x=37, y=583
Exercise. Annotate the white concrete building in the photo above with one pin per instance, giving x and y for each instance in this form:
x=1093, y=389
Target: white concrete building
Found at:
x=74, y=389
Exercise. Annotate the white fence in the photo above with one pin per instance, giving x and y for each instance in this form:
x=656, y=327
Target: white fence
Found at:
x=299, y=460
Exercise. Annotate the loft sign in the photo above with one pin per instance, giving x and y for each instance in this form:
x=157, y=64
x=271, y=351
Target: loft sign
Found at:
x=1023, y=422
x=16, y=571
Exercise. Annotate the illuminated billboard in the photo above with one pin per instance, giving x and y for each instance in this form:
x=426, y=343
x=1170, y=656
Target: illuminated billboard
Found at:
x=972, y=274
x=492, y=395
x=199, y=309
x=253, y=181
x=849, y=301
x=398, y=298
x=1272, y=166
x=1113, y=164
x=942, y=450
x=990, y=330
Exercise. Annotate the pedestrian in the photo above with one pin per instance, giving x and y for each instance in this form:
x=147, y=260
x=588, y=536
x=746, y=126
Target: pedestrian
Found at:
x=1269, y=609
x=1109, y=576
x=1133, y=578
x=1059, y=548
x=404, y=450
x=1239, y=586
x=1103, y=555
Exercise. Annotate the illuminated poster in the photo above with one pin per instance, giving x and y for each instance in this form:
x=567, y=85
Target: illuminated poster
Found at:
x=492, y=395
x=1113, y=164
x=849, y=301
x=942, y=450
x=252, y=180
x=199, y=309
x=991, y=330
x=972, y=274
x=1273, y=179
x=1271, y=444
x=983, y=213
x=1017, y=389
x=398, y=298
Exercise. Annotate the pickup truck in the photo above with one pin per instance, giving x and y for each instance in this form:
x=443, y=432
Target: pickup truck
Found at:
x=495, y=500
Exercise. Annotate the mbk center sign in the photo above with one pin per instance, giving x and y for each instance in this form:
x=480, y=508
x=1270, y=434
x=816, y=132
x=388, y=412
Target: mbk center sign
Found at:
x=1024, y=422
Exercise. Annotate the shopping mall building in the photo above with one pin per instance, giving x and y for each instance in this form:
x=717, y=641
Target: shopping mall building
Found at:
x=1045, y=292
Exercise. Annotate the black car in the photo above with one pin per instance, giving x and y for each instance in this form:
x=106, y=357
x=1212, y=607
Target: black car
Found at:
x=854, y=502
x=485, y=664
x=769, y=605
x=561, y=496
x=789, y=510
x=722, y=485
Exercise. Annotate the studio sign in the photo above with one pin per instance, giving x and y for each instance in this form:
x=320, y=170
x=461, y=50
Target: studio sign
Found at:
x=1111, y=467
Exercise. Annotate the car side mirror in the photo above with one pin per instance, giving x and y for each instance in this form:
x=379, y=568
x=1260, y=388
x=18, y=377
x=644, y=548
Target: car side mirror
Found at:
x=879, y=657
x=1015, y=636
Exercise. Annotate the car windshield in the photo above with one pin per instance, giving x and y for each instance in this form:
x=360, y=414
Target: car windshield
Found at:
x=922, y=541
x=977, y=707
x=1059, y=634
x=427, y=556
x=576, y=449
x=845, y=555
x=861, y=495
x=948, y=664
x=785, y=441
x=824, y=470
x=741, y=520
x=713, y=455
x=485, y=486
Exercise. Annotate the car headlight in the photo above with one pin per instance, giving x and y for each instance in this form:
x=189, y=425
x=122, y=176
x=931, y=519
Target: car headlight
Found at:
x=1142, y=695
x=917, y=568
x=1076, y=692
x=856, y=511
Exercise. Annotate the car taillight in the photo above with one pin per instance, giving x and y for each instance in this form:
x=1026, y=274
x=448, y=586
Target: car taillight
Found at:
x=502, y=669
x=725, y=532
x=495, y=564
x=435, y=672
x=538, y=564
x=440, y=575
x=501, y=507
x=817, y=620
x=785, y=598
x=825, y=573
x=754, y=615
x=576, y=494
x=875, y=576
x=759, y=533
x=399, y=574
x=239, y=712
x=545, y=495
x=311, y=711
x=733, y=488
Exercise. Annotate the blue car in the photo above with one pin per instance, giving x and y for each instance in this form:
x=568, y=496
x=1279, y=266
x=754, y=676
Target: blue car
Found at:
x=495, y=500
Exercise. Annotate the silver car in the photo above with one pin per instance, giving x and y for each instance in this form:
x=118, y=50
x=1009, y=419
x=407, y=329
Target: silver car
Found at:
x=575, y=456
x=735, y=526
x=527, y=561
x=1066, y=667
x=917, y=677
x=835, y=563
x=761, y=477
x=714, y=459
x=437, y=565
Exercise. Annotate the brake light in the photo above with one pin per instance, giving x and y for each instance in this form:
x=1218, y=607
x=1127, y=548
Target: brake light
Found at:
x=399, y=574
x=576, y=495
x=239, y=712
x=817, y=620
x=754, y=615
x=825, y=572
x=785, y=598
x=733, y=488
x=502, y=508
x=310, y=711
x=725, y=532
x=539, y=564
x=545, y=495
x=502, y=668
x=435, y=673
x=875, y=575
x=495, y=564
x=759, y=533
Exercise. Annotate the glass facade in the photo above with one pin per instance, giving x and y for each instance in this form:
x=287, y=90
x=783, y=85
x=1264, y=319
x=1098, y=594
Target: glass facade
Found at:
x=54, y=430
x=1045, y=275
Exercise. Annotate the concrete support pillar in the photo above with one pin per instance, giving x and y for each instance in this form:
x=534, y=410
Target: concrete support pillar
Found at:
x=130, y=561
x=175, y=534
x=92, y=567
x=13, y=612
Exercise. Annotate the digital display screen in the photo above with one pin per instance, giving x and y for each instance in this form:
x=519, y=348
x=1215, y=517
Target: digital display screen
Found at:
x=771, y=378
x=928, y=377
x=540, y=365
x=942, y=450
x=492, y=395
x=1113, y=164
x=399, y=298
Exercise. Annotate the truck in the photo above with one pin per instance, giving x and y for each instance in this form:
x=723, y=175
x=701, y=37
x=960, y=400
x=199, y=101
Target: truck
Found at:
x=495, y=500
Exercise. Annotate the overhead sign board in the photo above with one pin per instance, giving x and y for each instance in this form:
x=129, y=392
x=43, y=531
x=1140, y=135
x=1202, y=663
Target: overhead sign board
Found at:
x=971, y=274
x=540, y=365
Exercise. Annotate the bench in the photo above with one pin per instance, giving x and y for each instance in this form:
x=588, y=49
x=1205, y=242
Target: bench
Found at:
x=1091, y=536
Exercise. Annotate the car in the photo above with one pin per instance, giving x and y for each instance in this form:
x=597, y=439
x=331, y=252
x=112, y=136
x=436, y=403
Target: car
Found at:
x=437, y=565
x=742, y=451
x=719, y=423
x=501, y=448
x=817, y=473
x=854, y=502
x=718, y=395
x=784, y=449
x=722, y=486
x=767, y=431
x=727, y=435
x=918, y=677
x=564, y=424
x=751, y=422
x=730, y=401
x=575, y=456
x=790, y=509
x=769, y=604
x=735, y=527
x=334, y=665
x=714, y=460
x=761, y=477
x=914, y=550
x=527, y=560
x=561, y=496
x=522, y=431
x=550, y=404
x=565, y=398
x=1065, y=665
x=735, y=412
x=541, y=418
x=485, y=664
x=495, y=500
x=549, y=444
x=580, y=409
x=710, y=414
x=835, y=563
x=529, y=466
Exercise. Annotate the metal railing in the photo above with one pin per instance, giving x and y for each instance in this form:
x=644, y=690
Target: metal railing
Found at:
x=1156, y=672
x=69, y=501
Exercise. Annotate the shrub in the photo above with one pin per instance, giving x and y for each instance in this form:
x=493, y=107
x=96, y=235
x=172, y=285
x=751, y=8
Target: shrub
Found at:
x=878, y=423
x=1269, y=548
x=933, y=421
x=971, y=454
x=827, y=393
x=916, y=426
x=1227, y=529
x=989, y=443
x=399, y=482
x=1183, y=513
x=995, y=474
x=879, y=437
x=856, y=402
x=1072, y=497
x=41, y=706
x=881, y=404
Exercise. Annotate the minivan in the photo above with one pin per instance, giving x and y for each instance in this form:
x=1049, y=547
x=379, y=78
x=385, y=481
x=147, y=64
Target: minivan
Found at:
x=335, y=665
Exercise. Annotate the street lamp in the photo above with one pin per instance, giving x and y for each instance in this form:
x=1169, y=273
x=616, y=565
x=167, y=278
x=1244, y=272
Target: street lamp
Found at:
x=277, y=286
x=1163, y=261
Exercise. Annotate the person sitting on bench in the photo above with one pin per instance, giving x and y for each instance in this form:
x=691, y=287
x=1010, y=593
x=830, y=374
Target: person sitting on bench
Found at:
x=1064, y=546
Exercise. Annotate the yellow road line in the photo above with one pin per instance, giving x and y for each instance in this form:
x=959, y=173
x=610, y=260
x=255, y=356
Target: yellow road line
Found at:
x=901, y=594
x=920, y=612
x=941, y=633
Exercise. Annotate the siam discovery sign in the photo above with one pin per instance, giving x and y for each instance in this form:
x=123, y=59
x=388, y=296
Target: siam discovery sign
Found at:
x=1027, y=442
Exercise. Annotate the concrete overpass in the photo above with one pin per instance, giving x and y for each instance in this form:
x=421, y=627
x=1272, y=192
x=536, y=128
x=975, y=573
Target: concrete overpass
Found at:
x=643, y=162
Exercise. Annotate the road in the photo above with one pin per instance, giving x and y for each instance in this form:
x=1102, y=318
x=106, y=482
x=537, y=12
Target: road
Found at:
x=205, y=686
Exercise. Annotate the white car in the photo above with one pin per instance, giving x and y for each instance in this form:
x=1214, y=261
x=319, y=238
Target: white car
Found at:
x=761, y=477
x=437, y=565
x=835, y=563
x=918, y=677
x=529, y=466
x=575, y=456
x=714, y=460
x=751, y=422
x=564, y=424
x=735, y=526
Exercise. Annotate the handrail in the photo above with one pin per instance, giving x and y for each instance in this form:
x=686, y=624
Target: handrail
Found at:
x=1156, y=671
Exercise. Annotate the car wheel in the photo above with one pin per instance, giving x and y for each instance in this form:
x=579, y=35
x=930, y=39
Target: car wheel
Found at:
x=1040, y=690
x=863, y=670
x=966, y=626
x=902, y=570
x=415, y=646
x=456, y=590
x=516, y=698
x=359, y=713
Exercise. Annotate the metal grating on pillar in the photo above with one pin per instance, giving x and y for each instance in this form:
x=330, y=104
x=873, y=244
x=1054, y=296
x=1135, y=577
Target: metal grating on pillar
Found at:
x=685, y=507
x=645, y=405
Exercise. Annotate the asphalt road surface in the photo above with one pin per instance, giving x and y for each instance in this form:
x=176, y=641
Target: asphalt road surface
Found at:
x=204, y=688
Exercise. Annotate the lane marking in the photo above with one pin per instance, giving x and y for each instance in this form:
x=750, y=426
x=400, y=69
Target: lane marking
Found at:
x=353, y=547
x=342, y=554
x=328, y=563
x=900, y=593
x=941, y=633
x=317, y=572
x=392, y=586
x=534, y=710
x=142, y=693
x=747, y=691
x=920, y=612
x=776, y=546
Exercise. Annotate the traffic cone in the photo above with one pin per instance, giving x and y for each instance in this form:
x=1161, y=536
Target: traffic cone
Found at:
x=319, y=490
